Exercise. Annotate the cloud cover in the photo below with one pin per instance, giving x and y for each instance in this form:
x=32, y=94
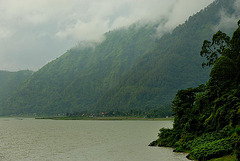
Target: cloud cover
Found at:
x=228, y=21
x=34, y=32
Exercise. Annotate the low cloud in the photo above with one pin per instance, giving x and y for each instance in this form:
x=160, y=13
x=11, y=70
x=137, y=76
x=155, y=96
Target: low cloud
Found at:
x=84, y=31
x=229, y=21
x=33, y=32
x=5, y=33
x=178, y=13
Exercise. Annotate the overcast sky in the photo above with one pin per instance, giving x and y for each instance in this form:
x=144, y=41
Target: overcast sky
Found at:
x=34, y=32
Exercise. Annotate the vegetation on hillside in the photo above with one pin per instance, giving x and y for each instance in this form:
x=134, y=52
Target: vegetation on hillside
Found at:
x=129, y=71
x=207, y=117
x=76, y=80
x=10, y=81
x=172, y=65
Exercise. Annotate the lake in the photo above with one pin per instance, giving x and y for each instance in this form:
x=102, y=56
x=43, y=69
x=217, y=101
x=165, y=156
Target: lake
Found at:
x=29, y=139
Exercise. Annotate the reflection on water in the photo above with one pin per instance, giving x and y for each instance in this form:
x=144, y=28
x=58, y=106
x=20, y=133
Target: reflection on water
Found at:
x=74, y=140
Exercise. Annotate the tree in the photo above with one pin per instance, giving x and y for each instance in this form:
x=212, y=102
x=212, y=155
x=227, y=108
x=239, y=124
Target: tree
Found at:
x=212, y=50
x=183, y=106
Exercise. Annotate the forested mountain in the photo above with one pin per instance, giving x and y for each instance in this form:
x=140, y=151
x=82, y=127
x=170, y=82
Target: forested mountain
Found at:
x=172, y=65
x=75, y=81
x=10, y=81
x=129, y=70
x=206, y=122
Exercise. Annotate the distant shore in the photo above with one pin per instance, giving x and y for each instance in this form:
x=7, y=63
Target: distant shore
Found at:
x=105, y=118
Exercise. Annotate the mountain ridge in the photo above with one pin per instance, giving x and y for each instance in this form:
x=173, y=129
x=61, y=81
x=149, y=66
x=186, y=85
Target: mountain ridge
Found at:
x=81, y=73
x=158, y=81
x=128, y=70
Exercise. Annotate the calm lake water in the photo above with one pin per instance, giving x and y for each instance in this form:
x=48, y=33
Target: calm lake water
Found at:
x=76, y=140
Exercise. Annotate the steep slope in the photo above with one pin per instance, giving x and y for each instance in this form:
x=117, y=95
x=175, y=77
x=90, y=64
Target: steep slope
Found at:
x=77, y=79
x=172, y=65
x=10, y=81
x=116, y=57
x=128, y=70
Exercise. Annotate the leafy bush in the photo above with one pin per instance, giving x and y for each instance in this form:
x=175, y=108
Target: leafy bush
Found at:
x=209, y=137
x=167, y=137
x=212, y=149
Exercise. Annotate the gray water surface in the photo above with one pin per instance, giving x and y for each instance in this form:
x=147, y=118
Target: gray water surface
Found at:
x=77, y=140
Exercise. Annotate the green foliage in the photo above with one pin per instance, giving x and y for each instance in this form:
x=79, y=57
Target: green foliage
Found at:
x=76, y=80
x=10, y=81
x=207, y=117
x=203, y=139
x=225, y=158
x=211, y=50
x=167, y=137
x=172, y=65
x=213, y=149
x=185, y=112
x=162, y=111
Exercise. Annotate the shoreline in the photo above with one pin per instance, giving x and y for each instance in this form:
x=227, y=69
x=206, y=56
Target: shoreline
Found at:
x=106, y=118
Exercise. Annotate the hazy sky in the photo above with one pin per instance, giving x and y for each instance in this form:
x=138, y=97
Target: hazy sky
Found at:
x=34, y=32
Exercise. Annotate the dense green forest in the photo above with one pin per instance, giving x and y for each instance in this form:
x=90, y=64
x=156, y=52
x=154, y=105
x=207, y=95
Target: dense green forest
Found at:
x=10, y=81
x=74, y=81
x=172, y=65
x=207, y=117
x=129, y=72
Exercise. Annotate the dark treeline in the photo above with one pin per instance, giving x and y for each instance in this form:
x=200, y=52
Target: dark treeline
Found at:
x=207, y=118
x=162, y=112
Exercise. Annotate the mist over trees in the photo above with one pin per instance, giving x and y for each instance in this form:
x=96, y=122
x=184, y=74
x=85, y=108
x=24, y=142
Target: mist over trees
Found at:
x=172, y=65
x=130, y=70
x=74, y=82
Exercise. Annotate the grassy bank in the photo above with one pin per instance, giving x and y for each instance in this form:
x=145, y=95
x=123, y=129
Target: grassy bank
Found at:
x=225, y=158
x=105, y=118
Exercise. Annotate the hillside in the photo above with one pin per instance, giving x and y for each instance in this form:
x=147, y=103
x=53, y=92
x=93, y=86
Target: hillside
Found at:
x=128, y=71
x=10, y=81
x=74, y=81
x=172, y=65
